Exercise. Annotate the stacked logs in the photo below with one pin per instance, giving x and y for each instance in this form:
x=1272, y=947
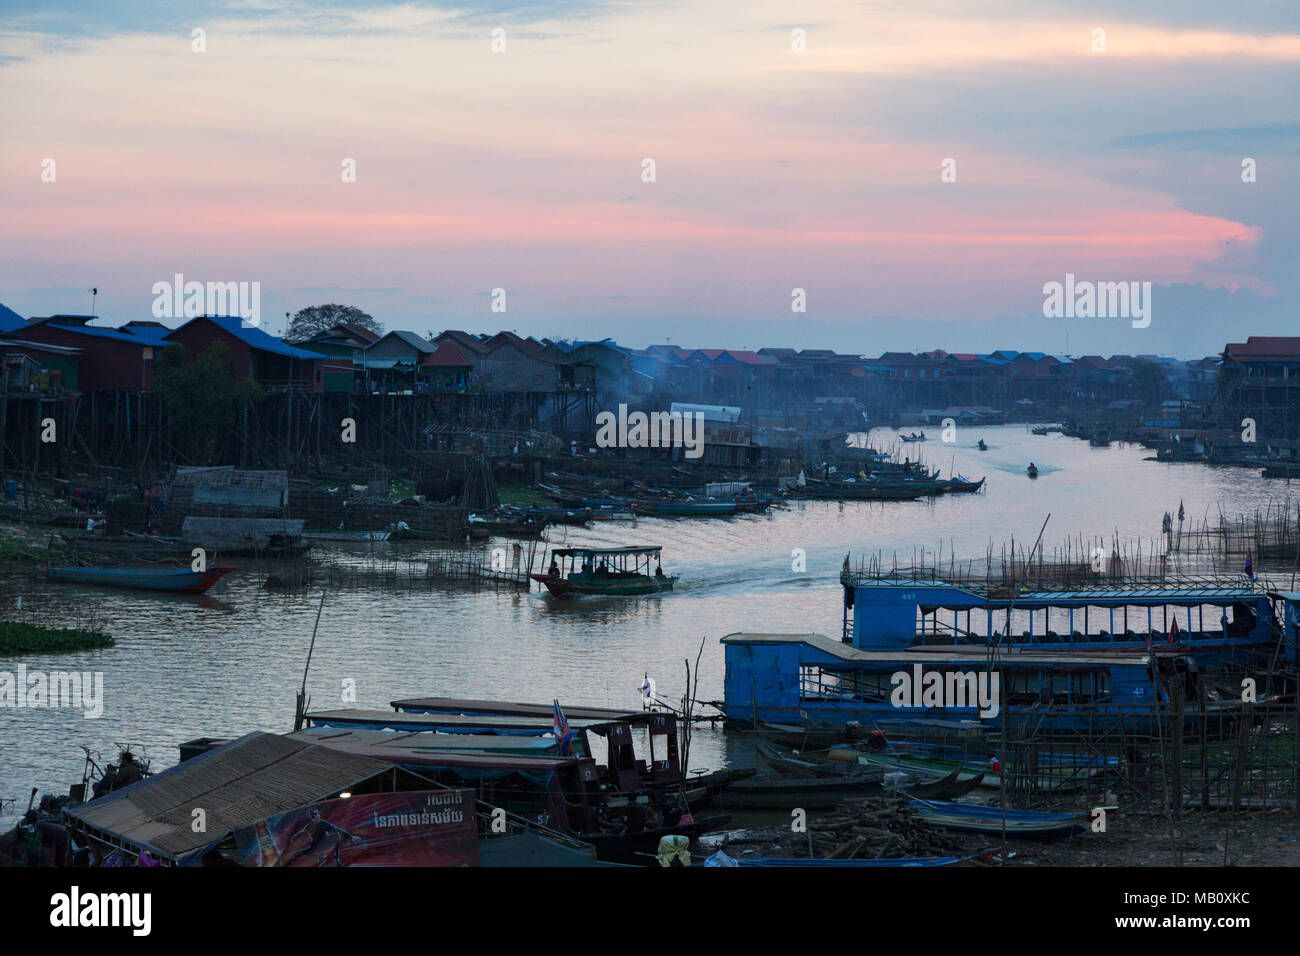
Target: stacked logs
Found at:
x=877, y=828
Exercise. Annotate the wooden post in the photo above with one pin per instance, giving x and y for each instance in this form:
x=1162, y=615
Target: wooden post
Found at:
x=1176, y=699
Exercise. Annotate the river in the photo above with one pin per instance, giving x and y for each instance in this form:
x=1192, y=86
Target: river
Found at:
x=185, y=668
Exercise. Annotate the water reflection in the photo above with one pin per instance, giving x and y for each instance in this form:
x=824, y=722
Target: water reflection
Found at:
x=230, y=662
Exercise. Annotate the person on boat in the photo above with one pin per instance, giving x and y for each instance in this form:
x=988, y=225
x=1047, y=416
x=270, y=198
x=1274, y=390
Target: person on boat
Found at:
x=604, y=820
x=554, y=569
x=659, y=571
x=877, y=741
x=603, y=570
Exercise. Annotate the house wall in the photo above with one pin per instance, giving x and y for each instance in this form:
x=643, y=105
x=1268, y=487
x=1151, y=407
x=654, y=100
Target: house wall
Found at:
x=104, y=363
x=507, y=369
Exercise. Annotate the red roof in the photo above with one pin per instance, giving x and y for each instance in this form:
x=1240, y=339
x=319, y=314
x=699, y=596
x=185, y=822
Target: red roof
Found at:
x=447, y=355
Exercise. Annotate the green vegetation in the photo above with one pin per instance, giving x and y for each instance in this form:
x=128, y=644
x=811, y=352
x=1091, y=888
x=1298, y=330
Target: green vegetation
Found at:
x=521, y=496
x=15, y=553
x=19, y=637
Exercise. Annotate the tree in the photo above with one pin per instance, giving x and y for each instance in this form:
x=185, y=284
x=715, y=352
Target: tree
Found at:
x=202, y=400
x=319, y=318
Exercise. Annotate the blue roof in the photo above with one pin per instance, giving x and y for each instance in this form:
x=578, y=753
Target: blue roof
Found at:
x=146, y=336
x=9, y=319
x=251, y=336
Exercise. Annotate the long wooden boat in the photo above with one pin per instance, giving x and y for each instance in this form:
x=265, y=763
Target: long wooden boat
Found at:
x=931, y=785
x=976, y=819
x=961, y=486
x=1059, y=778
x=573, y=516
x=868, y=491
x=779, y=791
x=620, y=572
x=899, y=862
x=144, y=579
x=683, y=509
x=347, y=537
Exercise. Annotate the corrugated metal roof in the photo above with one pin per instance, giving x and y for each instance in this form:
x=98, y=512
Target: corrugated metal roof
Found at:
x=251, y=336
x=236, y=784
x=9, y=319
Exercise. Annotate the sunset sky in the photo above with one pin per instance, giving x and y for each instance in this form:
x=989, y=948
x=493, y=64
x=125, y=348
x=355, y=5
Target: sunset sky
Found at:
x=775, y=169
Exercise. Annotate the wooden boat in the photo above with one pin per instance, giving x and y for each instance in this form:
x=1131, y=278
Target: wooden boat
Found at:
x=347, y=537
x=504, y=525
x=1021, y=823
x=931, y=785
x=959, y=485
x=875, y=491
x=144, y=579
x=636, y=846
x=573, y=516
x=781, y=791
x=914, y=437
x=620, y=572
x=902, y=861
x=683, y=509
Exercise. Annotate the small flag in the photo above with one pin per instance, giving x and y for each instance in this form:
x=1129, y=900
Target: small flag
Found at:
x=562, y=731
x=1250, y=566
x=1173, y=631
x=647, y=688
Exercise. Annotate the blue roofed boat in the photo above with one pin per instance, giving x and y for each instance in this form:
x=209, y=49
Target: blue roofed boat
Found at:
x=1069, y=657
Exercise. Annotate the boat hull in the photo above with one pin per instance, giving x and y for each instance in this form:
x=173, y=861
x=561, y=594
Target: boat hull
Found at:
x=567, y=587
x=185, y=582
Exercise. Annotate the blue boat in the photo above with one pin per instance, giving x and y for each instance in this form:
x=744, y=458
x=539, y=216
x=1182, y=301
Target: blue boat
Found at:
x=192, y=582
x=976, y=819
x=1068, y=658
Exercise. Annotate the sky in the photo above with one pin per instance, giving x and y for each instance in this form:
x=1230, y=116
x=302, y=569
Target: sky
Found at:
x=1110, y=156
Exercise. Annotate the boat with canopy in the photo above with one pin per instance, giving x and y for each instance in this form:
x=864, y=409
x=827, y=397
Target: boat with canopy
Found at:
x=607, y=571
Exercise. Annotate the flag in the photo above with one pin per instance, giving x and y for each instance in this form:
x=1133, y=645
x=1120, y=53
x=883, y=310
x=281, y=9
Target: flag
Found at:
x=562, y=731
x=1250, y=566
x=1173, y=631
x=647, y=689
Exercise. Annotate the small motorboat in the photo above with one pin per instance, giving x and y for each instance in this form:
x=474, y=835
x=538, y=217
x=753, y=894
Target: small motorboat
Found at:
x=1032, y=470
x=982, y=446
